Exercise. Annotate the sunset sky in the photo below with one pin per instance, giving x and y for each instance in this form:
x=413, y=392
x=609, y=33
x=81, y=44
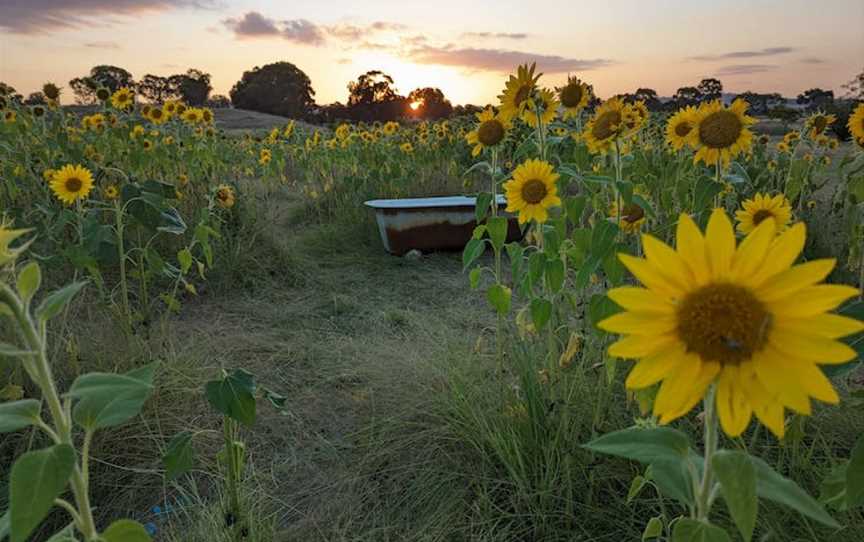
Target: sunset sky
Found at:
x=463, y=47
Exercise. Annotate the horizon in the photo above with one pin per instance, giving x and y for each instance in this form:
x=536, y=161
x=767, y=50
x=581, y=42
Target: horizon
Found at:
x=784, y=47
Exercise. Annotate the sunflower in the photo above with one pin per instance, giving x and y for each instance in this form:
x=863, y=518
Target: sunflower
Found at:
x=491, y=130
x=783, y=147
x=532, y=191
x=147, y=144
x=632, y=216
x=391, y=128
x=519, y=92
x=38, y=110
x=191, y=115
x=157, y=115
x=791, y=137
x=123, y=98
x=71, y=183
x=817, y=123
x=755, y=211
x=549, y=110
x=744, y=321
x=574, y=96
x=225, y=196
x=606, y=125
x=206, y=115
x=103, y=94
x=170, y=108
x=679, y=128
x=9, y=117
x=111, y=192
x=406, y=147
x=265, y=157
x=856, y=125
x=721, y=133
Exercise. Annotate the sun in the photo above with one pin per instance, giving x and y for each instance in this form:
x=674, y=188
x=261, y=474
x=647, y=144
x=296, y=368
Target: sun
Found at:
x=415, y=105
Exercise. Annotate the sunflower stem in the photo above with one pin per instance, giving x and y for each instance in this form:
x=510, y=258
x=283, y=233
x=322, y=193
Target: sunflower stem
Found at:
x=703, y=499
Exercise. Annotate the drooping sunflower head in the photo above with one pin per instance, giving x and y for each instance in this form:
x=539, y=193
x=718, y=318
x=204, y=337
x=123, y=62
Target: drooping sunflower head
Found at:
x=574, y=96
x=123, y=98
x=817, y=123
x=679, y=128
x=71, y=183
x=856, y=125
x=224, y=196
x=51, y=91
x=103, y=94
x=490, y=131
x=721, y=133
x=532, y=191
x=519, y=91
x=606, y=125
x=741, y=319
x=761, y=207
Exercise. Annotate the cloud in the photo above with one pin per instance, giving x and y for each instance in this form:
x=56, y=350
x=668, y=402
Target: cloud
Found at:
x=812, y=60
x=500, y=60
x=744, y=69
x=43, y=16
x=256, y=25
x=768, y=51
x=503, y=35
x=350, y=32
x=102, y=45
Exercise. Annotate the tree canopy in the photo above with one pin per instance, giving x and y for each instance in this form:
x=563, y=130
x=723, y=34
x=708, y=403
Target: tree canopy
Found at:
x=280, y=88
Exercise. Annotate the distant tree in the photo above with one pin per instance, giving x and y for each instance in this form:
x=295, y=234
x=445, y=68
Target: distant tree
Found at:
x=218, y=101
x=784, y=114
x=156, y=89
x=710, y=89
x=9, y=92
x=685, y=96
x=815, y=98
x=649, y=97
x=193, y=87
x=373, y=96
x=855, y=88
x=111, y=77
x=761, y=104
x=35, y=98
x=280, y=88
x=433, y=104
x=467, y=109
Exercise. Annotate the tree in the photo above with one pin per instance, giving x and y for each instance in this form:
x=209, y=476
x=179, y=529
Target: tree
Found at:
x=374, y=97
x=761, y=104
x=816, y=98
x=218, y=101
x=280, y=88
x=9, y=92
x=110, y=77
x=855, y=87
x=649, y=97
x=685, y=96
x=193, y=87
x=432, y=103
x=156, y=89
x=467, y=109
x=35, y=98
x=711, y=89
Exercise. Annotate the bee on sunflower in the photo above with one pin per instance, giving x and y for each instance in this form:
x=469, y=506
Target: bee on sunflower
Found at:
x=740, y=325
x=761, y=207
x=574, y=97
x=817, y=123
x=71, y=183
x=856, y=125
x=532, y=191
x=491, y=130
x=720, y=133
x=519, y=92
x=123, y=98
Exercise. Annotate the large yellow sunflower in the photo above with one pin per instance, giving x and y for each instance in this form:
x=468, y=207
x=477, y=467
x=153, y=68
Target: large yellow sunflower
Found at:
x=532, y=191
x=546, y=98
x=817, y=123
x=491, y=130
x=679, y=128
x=761, y=207
x=721, y=133
x=606, y=125
x=122, y=98
x=574, y=96
x=71, y=183
x=742, y=319
x=519, y=92
x=856, y=125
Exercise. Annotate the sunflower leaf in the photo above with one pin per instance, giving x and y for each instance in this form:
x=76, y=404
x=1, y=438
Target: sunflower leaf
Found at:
x=776, y=487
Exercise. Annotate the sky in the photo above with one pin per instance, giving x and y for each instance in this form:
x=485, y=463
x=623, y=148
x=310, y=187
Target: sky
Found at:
x=464, y=47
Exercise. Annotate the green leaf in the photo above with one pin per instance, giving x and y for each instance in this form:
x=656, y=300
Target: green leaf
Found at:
x=643, y=445
x=474, y=277
x=601, y=307
x=479, y=231
x=482, y=205
x=126, y=530
x=536, y=266
x=555, y=275
x=691, y=530
x=185, y=259
x=672, y=477
x=574, y=207
x=19, y=414
x=705, y=190
x=179, y=455
x=107, y=399
x=37, y=478
x=499, y=297
x=737, y=477
x=832, y=490
x=635, y=488
x=653, y=529
x=473, y=250
x=603, y=238
x=66, y=534
x=541, y=312
x=29, y=280
x=855, y=476
x=775, y=487
x=234, y=396
x=583, y=277
x=56, y=301
x=496, y=226
x=4, y=525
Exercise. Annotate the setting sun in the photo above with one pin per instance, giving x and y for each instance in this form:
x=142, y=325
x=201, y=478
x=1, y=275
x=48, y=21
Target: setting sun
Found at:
x=415, y=105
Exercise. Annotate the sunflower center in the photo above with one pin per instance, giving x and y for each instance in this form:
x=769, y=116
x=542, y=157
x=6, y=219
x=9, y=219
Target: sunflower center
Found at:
x=571, y=95
x=723, y=323
x=633, y=213
x=490, y=132
x=606, y=125
x=522, y=94
x=761, y=215
x=683, y=128
x=533, y=191
x=720, y=129
x=74, y=184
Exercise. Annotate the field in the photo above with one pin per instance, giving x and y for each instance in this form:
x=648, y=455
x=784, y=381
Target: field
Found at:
x=203, y=339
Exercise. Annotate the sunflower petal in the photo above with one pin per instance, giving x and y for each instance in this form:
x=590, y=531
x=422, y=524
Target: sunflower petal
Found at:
x=770, y=367
x=720, y=243
x=640, y=300
x=649, y=276
x=812, y=300
x=733, y=408
x=637, y=346
x=751, y=253
x=649, y=371
x=691, y=246
x=816, y=349
x=814, y=381
x=782, y=254
x=795, y=278
x=664, y=257
x=638, y=324
x=830, y=326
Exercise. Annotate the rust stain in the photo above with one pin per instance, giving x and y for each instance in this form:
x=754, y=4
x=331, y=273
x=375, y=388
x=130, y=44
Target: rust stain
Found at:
x=443, y=236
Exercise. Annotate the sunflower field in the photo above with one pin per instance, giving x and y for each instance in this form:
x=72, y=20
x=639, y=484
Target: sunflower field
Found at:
x=672, y=350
